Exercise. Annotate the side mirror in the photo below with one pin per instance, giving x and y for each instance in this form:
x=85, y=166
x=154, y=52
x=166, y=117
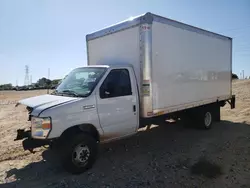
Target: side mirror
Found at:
x=107, y=93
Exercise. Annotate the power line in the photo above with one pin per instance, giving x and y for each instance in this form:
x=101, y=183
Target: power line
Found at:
x=26, y=77
x=48, y=79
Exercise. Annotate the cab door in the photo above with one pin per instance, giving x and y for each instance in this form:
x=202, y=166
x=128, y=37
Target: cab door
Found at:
x=117, y=103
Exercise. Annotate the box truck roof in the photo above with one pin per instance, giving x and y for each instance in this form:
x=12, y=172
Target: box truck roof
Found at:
x=149, y=18
x=110, y=65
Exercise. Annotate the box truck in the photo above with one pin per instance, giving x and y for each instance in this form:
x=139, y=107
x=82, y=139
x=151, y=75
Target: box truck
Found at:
x=140, y=71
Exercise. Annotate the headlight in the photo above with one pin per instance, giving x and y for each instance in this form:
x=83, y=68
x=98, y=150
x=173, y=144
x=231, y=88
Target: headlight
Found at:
x=40, y=127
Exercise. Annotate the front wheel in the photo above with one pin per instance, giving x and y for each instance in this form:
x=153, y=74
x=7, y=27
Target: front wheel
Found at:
x=79, y=153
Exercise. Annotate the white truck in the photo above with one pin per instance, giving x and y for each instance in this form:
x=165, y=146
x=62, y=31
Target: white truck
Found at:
x=140, y=71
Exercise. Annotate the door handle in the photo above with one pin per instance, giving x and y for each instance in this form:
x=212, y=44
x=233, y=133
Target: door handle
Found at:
x=134, y=108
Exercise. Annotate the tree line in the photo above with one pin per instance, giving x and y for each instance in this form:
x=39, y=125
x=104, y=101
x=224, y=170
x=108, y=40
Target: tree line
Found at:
x=42, y=83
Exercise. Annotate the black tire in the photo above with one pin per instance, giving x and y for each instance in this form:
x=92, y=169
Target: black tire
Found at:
x=68, y=152
x=205, y=118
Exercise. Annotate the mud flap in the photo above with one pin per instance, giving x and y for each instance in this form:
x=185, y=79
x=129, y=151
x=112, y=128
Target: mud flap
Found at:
x=232, y=102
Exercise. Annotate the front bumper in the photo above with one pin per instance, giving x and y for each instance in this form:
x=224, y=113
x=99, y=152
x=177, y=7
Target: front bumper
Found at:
x=29, y=143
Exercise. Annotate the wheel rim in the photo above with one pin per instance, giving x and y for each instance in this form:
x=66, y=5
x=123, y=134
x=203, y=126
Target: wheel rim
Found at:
x=80, y=155
x=208, y=119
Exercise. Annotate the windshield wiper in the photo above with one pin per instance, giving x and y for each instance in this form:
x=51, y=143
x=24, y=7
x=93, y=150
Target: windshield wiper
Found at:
x=70, y=92
x=67, y=92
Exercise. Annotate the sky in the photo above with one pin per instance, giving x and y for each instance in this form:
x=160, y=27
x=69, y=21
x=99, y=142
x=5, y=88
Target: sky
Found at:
x=50, y=34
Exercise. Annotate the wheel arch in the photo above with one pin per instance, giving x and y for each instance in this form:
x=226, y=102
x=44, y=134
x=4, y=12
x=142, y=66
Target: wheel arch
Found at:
x=82, y=128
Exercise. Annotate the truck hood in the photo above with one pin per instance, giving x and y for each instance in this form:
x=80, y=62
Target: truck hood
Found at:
x=45, y=100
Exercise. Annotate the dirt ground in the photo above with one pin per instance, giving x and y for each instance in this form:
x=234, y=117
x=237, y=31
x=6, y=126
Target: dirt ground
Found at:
x=162, y=156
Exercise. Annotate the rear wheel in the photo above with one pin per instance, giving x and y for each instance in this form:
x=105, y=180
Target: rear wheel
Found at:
x=79, y=154
x=205, y=118
x=200, y=117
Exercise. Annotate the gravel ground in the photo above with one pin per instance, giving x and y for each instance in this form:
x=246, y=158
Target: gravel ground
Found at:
x=163, y=156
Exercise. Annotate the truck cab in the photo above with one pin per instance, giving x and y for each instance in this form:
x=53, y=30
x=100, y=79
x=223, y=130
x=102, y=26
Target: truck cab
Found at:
x=100, y=103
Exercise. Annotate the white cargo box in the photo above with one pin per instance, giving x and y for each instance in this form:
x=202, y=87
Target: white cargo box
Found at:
x=177, y=66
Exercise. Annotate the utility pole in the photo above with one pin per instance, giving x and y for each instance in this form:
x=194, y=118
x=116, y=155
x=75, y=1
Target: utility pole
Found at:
x=26, y=78
x=48, y=78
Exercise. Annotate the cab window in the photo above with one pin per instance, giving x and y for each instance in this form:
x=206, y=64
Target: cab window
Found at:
x=116, y=84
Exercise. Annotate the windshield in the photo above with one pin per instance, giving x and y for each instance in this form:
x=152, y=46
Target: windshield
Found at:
x=81, y=81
